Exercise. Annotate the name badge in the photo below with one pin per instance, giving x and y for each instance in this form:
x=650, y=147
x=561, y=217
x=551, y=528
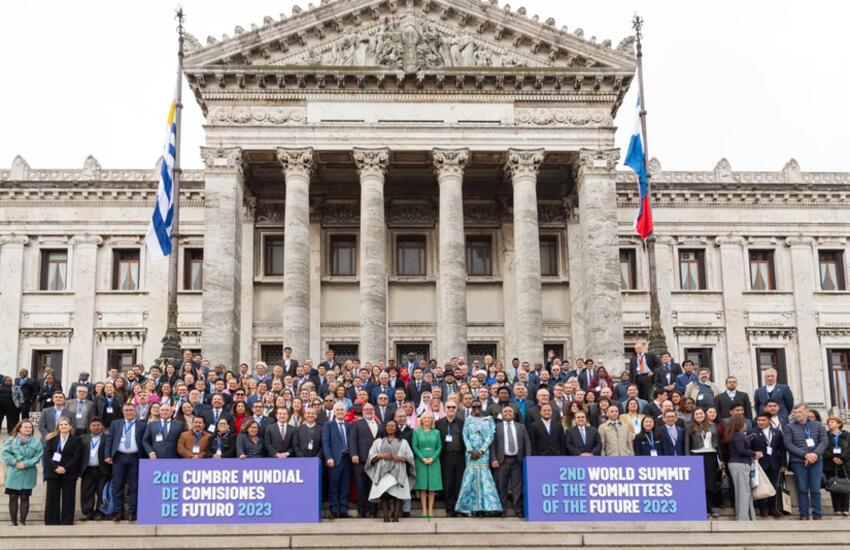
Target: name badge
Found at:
x=158, y=438
x=211, y=429
x=57, y=457
x=109, y=410
x=449, y=438
x=770, y=451
x=653, y=452
x=700, y=397
x=218, y=452
x=79, y=414
x=837, y=452
x=810, y=442
x=310, y=445
x=196, y=449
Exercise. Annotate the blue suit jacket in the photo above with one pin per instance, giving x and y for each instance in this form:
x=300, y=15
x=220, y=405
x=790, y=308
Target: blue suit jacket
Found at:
x=167, y=448
x=333, y=445
x=667, y=448
x=116, y=431
x=781, y=394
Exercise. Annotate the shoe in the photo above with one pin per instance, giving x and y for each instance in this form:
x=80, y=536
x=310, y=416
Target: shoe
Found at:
x=777, y=514
x=520, y=515
x=405, y=514
x=451, y=513
x=816, y=518
x=99, y=517
x=117, y=517
x=804, y=518
x=131, y=517
x=88, y=517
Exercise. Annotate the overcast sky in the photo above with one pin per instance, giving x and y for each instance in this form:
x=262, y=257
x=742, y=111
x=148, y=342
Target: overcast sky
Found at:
x=755, y=81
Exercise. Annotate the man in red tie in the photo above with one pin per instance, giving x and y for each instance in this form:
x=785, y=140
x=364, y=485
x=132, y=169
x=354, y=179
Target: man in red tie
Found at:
x=642, y=367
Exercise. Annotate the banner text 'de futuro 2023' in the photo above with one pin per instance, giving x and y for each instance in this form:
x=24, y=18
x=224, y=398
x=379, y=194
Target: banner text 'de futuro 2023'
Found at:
x=229, y=490
x=611, y=488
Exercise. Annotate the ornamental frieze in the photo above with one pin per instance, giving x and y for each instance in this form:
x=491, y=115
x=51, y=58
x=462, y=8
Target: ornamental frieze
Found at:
x=257, y=115
x=591, y=118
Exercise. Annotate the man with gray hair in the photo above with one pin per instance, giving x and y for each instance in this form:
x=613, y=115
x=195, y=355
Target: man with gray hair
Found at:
x=806, y=441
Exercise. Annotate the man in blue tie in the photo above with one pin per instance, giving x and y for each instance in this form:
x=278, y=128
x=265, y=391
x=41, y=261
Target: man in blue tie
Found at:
x=338, y=461
x=161, y=436
x=122, y=451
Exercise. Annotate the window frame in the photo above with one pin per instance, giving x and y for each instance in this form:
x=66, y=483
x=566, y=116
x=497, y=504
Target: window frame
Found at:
x=113, y=353
x=771, y=266
x=840, y=270
x=781, y=364
x=699, y=260
x=265, y=257
x=397, y=253
x=705, y=357
x=335, y=238
x=481, y=238
x=832, y=370
x=44, y=269
x=554, y=255
x=116, y=263
x=632, y=268
x=188, y=260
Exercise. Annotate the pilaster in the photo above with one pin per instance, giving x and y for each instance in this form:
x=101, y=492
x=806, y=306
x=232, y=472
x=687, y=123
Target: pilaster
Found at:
x=12, y=249
x=738, y=359
x=85, y=287
x=808, y=342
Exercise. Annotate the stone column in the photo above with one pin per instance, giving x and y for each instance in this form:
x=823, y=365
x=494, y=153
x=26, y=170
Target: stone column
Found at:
x=523, y=165
x=11, y=294
x=449, y=165
x=597, y=202
x=246, y=329
x=372, y=166
x=808, y=342
x=222, y=308
x=297, y=166
x=84, y=285
x=738, y=362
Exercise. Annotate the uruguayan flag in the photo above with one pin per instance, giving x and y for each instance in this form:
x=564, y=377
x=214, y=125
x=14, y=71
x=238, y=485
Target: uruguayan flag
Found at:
x=158, y=239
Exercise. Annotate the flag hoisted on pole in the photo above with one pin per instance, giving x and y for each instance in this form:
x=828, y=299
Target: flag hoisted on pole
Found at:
x=158, y=238
x=636, y=160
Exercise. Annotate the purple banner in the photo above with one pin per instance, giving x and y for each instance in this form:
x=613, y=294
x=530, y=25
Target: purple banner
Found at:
x=614, y=488
x=229, y=490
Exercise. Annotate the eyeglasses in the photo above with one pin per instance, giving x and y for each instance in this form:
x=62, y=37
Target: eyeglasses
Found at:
x=450, y=408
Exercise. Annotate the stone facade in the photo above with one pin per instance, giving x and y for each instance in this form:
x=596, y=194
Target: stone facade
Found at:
x=435, y=176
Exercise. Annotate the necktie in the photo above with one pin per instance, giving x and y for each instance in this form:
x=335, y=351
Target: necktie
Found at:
x=165, y=428
x=511, y=438
x=282, y=432
x=127, y=429
x=583, y=436
x=673, y=435
x=342, y=431
x=216, y=415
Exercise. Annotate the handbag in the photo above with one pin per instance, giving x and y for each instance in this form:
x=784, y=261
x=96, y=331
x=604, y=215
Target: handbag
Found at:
x=764, y=488
x=838, y=485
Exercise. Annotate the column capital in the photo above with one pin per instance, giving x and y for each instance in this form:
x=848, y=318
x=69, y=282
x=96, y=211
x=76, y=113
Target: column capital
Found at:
x=729, y=240
x=14, y=238
x=371, y=161
x=597, y=160
x=296, y=162
x=800, y=240
x=87, y=239
x=524, y=162
x=222, y=159
x=450, y=162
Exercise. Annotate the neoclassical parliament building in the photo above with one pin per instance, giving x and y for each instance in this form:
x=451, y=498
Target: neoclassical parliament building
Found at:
x=429, y=176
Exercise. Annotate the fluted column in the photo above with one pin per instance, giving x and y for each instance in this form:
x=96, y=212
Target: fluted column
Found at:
x=12, y=248
x=449, y=165
x=597, y=202
x=372, y=166
x=222, y=296
x=523, y=166
x=297, y=166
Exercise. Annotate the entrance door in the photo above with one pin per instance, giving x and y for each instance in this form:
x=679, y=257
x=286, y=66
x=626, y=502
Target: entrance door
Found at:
x=46, y=359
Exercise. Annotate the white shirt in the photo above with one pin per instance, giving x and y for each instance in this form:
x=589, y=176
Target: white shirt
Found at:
x=767, y=435
x=770, y=388
x=731, y=393
x=510, y=426
x=94, y=447
x=133, y=448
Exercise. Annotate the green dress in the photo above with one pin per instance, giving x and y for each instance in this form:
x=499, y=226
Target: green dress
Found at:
x=427, y=445
x=29, y=453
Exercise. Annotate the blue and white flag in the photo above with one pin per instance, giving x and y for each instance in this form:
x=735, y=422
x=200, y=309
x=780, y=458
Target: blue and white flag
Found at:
x=158, y=238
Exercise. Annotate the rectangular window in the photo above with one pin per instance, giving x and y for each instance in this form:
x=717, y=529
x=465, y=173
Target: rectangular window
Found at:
x=121, y=359
x=478, y=351
x=692, y=269
x=273, y=256
x=410, y=255
x=557, y=348
x=701, y=358
x=344, y=352
x=54, y=269
x=762, y=273
x=343, y=255
x=831, y=270
x=125, y=269
x=420, y=351
x=772, y=358
x=479, y=256
x=839, y=377
x=549, y=255
x=271, y=354
x=193, y=265
x=42, y=360
x=628, y=268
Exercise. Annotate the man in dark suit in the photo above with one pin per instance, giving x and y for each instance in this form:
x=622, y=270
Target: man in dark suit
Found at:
x=81, y=408
x=653, y=408
x=160, y=438
x=452, y=456
x=642, y=365
x=776, y=392
x=307, y=441
x=666, y=374
x=277, y=437
x=329, y=361
x=406, y=432
x=383, y=387
x=51, y=415
x=212, y=415
x=417, y=386
x=326, y=412
x=335, y=449
x=290, y=364
x=586, y=375
x=546, y=434
x=123, y=447
x=84, y=382
x=673, y=437
x=108, y=406
x=258, y=416
x=94, y=471
x=582, y=439
x=726, y=401
x=385, y=410
x=363, y=434
x=509, y=447
x=769, y=442
x=532, y=413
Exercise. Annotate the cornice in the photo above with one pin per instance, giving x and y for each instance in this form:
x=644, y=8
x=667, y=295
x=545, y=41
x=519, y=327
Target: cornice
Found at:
x=83, y=176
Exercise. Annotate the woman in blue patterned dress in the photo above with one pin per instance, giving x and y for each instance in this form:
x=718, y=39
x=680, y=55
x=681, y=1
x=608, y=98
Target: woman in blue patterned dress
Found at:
x=478, y=492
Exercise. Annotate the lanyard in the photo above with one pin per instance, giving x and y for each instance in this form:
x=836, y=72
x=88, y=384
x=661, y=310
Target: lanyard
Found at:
x=198, y=438
x=835, y=438
x=808, y=428
x=163, y=426
x=651, y=440
x=94, y=443
x=218, y=440
x=128, y=427
x=59, y=445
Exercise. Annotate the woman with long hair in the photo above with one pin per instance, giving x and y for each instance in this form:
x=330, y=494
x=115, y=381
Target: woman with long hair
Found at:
x=568, y=417
x=240, y=413
x=249, y=444
x=646, y=441
x=341, y=397
x=741, y=458
x=632, y=415
x=296, y=414
x=706, y=443
x=61, y=467
x=835, y=460
x=426, y=447
x=22, y=452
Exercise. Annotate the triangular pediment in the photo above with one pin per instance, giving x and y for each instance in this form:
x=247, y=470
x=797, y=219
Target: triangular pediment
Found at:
x=409, y=35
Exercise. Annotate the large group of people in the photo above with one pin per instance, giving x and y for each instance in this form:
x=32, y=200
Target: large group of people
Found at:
x=386, y=431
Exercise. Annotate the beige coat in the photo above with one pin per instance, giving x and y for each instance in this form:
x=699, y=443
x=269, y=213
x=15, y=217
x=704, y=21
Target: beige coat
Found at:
x=617, y=440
